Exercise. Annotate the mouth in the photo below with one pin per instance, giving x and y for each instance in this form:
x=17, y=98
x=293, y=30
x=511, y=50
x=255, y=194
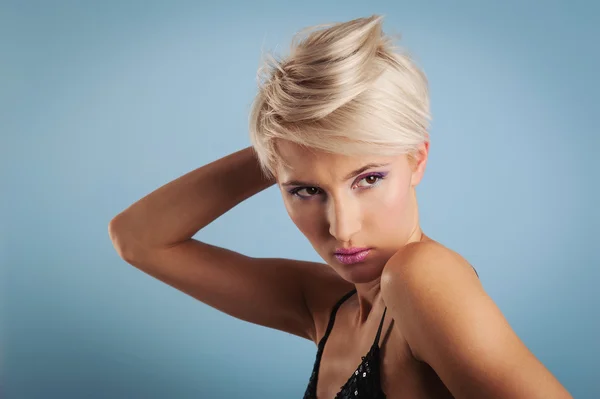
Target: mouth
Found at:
x=350, y=257
x=349, y=251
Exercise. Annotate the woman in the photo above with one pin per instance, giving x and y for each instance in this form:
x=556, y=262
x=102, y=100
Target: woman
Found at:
x=341, y=126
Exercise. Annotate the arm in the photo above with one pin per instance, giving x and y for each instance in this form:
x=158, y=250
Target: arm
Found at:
x=155, y=235
x=451, y=324
x=176, y=211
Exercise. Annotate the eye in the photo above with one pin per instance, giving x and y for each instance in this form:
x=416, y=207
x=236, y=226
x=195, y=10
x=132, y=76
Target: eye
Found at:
x=311, y=191
x=371, y=180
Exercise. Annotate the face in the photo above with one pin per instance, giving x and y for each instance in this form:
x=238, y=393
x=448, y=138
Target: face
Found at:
x=340, y=202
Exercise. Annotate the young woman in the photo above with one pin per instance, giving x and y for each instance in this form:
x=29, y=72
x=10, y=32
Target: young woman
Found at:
x=341, y=126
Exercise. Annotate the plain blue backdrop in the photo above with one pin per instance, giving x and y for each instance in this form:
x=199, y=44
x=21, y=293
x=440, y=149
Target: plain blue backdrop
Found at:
x=101, y=102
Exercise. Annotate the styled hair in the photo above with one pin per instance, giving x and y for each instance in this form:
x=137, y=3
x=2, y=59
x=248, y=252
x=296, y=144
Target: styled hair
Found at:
x=345, y=88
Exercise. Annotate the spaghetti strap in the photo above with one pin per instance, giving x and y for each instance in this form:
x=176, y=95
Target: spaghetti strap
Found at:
x=380, y=327
x=332, y=316
x=365, y=380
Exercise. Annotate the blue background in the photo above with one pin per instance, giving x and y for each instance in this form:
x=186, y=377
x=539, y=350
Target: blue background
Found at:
x=102, y=102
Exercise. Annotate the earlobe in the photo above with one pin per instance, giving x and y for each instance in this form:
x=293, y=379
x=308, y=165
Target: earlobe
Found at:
x=416, y=177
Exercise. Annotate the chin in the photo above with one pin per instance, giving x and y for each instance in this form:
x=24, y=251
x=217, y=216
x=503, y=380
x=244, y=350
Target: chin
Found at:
x=361, y=273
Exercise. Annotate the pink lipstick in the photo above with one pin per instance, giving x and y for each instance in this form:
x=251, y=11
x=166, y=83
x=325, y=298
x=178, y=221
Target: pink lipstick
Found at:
x=349, y=256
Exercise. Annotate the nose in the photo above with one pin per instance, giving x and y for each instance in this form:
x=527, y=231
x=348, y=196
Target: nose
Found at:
x=344, y=220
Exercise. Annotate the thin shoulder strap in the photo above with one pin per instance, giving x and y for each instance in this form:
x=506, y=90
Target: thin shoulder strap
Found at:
x=311, y=391
x=332, y=317
x=380, y=327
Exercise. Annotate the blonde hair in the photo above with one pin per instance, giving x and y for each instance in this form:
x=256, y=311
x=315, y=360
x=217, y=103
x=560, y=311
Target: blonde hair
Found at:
x=345, y=89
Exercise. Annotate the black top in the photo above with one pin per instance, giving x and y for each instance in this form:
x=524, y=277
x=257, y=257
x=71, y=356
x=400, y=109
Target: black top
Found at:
x=364, y=383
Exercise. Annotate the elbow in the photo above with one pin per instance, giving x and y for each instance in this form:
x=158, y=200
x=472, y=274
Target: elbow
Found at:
x=117, y=232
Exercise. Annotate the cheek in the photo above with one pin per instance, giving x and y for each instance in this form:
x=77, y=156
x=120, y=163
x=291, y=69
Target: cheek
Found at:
x=306, y=221
x=309, y=227
x=390, y=208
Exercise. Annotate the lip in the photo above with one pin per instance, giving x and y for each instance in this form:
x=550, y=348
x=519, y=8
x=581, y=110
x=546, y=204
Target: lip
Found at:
x=353, y=258
x=349, y=251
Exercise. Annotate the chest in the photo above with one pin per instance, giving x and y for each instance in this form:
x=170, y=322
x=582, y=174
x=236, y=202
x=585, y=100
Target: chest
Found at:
x=398, y=374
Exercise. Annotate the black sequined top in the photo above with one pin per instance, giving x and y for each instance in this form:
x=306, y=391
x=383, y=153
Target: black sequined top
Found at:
x=364, y=383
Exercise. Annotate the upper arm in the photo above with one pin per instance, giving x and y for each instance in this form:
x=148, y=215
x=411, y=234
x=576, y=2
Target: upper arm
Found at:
x=271, y=292
x=451, y=324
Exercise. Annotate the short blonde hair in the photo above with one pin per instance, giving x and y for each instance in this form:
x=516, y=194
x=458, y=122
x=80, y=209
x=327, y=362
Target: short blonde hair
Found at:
x=344, y=88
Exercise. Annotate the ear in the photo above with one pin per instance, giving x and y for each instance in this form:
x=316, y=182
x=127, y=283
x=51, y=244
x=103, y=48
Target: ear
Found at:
x=419, y=162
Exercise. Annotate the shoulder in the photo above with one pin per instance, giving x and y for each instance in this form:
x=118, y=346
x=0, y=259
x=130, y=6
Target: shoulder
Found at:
x=425, y=259
x=427, y=271
x=421, y=283
x=420, y=267
x=450, y=323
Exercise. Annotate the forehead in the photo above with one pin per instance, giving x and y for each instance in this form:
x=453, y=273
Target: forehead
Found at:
x=308, y=163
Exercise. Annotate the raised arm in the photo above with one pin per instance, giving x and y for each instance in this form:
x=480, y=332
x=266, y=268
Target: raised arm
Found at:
x=155, y=235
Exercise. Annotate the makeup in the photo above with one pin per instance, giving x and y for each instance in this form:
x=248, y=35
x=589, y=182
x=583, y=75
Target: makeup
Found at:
x=352, y=256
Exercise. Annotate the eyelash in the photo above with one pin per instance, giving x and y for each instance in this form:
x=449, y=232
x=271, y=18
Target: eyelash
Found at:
x=379, y=176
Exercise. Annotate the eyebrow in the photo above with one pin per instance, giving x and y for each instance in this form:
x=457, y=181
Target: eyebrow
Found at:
x=348, y=176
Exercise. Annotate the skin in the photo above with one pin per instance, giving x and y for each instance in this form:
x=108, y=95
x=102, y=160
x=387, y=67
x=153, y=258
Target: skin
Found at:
x=362, y=211
x=444, y=336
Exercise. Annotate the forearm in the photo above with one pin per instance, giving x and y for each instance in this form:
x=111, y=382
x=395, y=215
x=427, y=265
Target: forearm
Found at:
x=176, y=211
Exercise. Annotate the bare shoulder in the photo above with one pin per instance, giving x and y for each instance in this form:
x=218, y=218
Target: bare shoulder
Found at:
x=452, y=324
x=424, y=257
x=415, y=281
x=409, y=278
